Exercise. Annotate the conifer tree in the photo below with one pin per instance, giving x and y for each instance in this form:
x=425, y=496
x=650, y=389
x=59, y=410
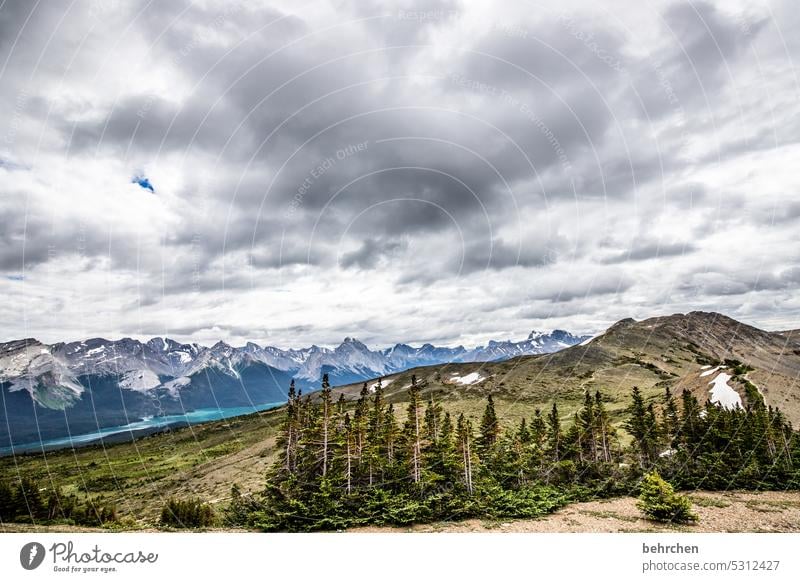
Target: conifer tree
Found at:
x=554, y=434
x=641, y=426
x=604, y=427
x=587, y=427
x=690, y=428
x=445, y=460
x=464, y=437
x=325, y=420
x=375, y=433
x=290, y=431
x=390, y=434
x=523, y=434
x=670, y=419
x=348, y=451
x=489, y=430
x=360, y=424
x=433, y=420
x=413, y=433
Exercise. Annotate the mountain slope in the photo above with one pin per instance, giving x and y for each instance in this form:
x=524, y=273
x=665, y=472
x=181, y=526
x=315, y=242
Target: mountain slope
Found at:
x=52, y=391
x=666, y=351
x=677, y=351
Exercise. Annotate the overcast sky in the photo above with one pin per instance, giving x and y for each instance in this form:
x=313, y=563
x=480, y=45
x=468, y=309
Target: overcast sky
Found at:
x=296, y=172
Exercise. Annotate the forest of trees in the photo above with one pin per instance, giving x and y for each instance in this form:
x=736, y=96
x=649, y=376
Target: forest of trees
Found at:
x=342, y=464
x=25, y=502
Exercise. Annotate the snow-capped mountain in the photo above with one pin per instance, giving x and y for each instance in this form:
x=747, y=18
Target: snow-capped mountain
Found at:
x=99, y=382
x=26, y=364
x=538, y=342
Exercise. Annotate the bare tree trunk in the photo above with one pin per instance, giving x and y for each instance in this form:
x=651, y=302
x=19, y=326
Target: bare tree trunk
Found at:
x=349, y=467
x=469, y=468
x=417, y=447
x=606, y=456
x=325, y=440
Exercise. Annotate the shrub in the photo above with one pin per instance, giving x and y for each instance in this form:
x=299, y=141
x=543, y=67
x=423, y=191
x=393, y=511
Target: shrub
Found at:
x=187, y=513
x=659, y=502
x=238, y=511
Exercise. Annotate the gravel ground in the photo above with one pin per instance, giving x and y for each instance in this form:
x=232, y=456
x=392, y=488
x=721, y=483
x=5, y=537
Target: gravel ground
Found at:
x=718, y=512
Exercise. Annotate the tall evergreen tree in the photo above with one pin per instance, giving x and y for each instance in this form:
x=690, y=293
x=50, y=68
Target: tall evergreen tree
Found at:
x=413, y=433
x=554, y=434
x=670, y=419
x=604, y=428
x=641, y=426
x=325, y=424
x=587, y=429
x=375, y=434
x=489, y=429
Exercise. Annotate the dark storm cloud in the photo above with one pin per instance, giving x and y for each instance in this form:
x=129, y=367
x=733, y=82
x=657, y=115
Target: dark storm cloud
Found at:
x=404, y=140
x=499, y=254
x=29, y=239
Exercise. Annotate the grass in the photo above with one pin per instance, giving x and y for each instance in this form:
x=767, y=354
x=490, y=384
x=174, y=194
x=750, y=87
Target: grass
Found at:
x=708, y=501
x=138, y=476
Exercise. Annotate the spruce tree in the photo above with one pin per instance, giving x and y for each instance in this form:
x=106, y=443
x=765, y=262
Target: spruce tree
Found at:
x=290, y=430
x=641, y=419
x=446, y=460
x=413, y=433
x=587, y=427
x=670, y=419
x=390, y=431
x=325, y=424
x=489, y=430
x=604, y=428
x=375, y=434
x=348, y=452
x=554, y=434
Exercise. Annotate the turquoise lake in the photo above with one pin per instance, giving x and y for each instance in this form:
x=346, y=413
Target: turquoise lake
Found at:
x=193, y=417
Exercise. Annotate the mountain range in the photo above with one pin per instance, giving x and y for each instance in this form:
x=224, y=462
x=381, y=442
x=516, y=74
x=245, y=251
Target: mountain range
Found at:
x=56, y=390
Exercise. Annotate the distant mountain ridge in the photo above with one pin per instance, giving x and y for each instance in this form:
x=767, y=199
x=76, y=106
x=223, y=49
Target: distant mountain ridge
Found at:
x=62, y=388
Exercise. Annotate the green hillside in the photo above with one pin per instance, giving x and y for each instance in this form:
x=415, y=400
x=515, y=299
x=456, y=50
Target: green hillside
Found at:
x=204, y=461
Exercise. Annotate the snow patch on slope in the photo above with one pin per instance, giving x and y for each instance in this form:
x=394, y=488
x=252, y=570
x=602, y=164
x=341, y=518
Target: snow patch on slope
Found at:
x=472, y=378
x=139, y=380
x=174, y=386
x=723, y=394
x=385, y=382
